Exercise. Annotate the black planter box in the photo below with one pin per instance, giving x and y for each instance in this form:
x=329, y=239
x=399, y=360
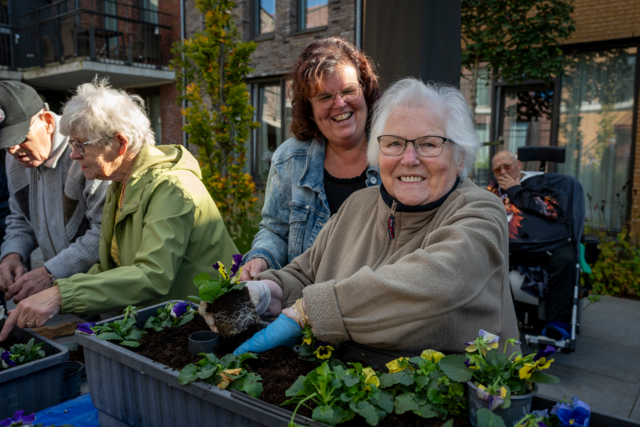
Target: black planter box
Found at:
x=36, y=385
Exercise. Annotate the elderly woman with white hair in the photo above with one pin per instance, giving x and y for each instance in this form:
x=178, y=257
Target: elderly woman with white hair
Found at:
x=160, y=227
x=420, y=262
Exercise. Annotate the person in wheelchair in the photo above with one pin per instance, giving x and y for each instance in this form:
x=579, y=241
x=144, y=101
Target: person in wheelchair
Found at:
x=539, y=235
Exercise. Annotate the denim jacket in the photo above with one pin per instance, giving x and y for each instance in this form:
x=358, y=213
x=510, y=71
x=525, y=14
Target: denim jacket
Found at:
x=295, y=206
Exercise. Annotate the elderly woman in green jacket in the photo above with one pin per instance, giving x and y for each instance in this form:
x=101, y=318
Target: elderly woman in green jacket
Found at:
x=160, y=226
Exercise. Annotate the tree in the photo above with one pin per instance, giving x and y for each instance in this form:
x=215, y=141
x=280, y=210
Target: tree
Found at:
x=210, y=69
x=518, y=39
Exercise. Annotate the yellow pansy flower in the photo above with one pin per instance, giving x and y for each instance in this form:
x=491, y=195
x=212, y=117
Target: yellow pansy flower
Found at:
x=432, y=355
x=394, y=365
x=370, y=378
x=324, y=352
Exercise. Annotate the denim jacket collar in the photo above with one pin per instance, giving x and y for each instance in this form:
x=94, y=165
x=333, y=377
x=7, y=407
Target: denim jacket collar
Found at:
x=313, y=176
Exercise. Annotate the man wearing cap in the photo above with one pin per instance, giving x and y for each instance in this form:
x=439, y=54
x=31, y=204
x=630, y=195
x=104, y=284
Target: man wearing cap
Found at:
x=52, y=205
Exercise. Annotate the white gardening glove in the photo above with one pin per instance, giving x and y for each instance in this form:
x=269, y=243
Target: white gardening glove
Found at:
x=260, y=296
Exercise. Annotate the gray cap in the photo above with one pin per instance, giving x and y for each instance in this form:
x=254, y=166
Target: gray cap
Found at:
x=18, y=104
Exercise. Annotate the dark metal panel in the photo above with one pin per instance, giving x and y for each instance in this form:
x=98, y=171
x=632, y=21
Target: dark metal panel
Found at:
x=419, y=38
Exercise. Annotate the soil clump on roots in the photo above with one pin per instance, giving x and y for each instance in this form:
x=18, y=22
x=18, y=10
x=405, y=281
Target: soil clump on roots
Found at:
x=234, y=313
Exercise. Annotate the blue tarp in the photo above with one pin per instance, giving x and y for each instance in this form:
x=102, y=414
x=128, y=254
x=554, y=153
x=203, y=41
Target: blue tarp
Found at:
x=78, y=412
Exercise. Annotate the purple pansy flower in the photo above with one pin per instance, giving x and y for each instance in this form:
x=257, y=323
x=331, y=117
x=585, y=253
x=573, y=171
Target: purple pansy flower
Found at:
x=179, y=309
x=85, y=328
x=6, y=359
x=488, y=337
x=469, y=363
x=18, y=418
x=544, y=353
x=494, y=401
x=576, y=414
x=237, y=260
x=216, y=266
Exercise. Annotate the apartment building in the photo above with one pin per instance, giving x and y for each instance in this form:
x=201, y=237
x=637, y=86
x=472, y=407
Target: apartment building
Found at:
x=56, y=45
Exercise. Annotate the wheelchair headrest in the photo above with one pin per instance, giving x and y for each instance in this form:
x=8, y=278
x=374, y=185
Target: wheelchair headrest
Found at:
x=542, y=154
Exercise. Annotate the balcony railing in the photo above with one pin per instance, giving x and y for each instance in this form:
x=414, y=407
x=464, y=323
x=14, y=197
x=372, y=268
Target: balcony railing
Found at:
x=100, y=30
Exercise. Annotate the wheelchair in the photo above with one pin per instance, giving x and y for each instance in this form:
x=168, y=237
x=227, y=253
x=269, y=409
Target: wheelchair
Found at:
x=531, y=311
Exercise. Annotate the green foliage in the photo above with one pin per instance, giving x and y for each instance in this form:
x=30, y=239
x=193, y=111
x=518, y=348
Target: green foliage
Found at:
x=337, y=394
x=211, y=289
x=228, y=372
x=617, y=269
x=423, y=388
x=311, y=349
x=123, y=330
x=166, y=320
x=486, y=418
x=518, y=39
x=20, y=354
x=210, y=69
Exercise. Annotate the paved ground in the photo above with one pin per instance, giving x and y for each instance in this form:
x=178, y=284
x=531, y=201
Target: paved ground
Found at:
x=604, y=371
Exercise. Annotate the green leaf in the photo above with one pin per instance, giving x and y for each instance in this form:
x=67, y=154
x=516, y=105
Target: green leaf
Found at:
x=389, y=380
x=296, y=387
x=150, y=323
x=367, y=411
x=209, y=291
x=27, y=348
x=448, y=424
x=186, y=319
x=201, y=278
x=130, y=343
x=350, y=380
x=426, y=411
x=543, y=378
x=422, y=381
x=252, y=385
x=324, y=414
x=434, y=395
x=486, y=418
x=405, y=402
x=109, y=336
x=188, y=374
x=134, y=335
x=453, y=367
x=227, y=360
x=384, y=401
x=206, y=373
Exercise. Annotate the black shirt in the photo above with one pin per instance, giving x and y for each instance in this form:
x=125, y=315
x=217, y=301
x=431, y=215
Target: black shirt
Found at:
x=338, y=190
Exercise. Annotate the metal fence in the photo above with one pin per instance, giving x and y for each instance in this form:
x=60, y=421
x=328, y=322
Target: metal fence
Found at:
x=101, y=30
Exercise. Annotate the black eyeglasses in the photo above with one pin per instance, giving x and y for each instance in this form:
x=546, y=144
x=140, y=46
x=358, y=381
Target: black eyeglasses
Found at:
x=425, y=146
x=349, y=93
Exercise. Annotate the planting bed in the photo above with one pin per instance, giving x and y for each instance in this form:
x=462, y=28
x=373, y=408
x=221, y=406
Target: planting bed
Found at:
x=131, y=390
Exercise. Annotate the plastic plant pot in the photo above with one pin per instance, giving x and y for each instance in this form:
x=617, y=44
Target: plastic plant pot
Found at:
x=203, y=342
x=520, y=406
x=71, y=377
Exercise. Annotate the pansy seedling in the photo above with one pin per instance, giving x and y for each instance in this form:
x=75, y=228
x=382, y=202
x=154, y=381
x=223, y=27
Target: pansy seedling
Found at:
x=211, y=289
x=123, y=331
x=172, y=315
x=19, y=354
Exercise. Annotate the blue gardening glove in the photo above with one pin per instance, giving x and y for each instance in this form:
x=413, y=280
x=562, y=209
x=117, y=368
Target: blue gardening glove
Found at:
x=282, y=332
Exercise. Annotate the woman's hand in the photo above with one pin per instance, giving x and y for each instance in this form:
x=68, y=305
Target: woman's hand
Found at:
x=34, y=311
x=253, y=267
x=29, y=284
x=11, y=269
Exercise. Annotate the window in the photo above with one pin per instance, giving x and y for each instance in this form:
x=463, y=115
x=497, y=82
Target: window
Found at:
x=152, y=104
x=272, y=104
x=596, y=116
x=269, y=135
x=481, y=169
x=264, y=15
x=313, y=13
x=150, y=12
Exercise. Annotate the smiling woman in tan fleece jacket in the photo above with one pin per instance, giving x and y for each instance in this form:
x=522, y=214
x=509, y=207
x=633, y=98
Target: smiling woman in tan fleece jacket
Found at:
x=419, y=263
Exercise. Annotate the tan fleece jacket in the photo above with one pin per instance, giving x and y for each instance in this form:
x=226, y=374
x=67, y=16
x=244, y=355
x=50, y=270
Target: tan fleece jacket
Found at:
x=442, y=278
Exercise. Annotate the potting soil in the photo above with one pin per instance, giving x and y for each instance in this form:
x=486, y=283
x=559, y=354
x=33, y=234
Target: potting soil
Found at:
x=234, y=313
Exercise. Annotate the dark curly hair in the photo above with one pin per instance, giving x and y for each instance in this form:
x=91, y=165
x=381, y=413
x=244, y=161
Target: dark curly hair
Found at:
x=321, y=58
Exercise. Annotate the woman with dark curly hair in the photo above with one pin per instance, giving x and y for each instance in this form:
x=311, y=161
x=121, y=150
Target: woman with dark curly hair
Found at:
x=333, y=88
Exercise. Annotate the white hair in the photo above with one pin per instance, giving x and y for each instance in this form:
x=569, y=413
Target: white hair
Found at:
x=99, y=111
x=413, y=93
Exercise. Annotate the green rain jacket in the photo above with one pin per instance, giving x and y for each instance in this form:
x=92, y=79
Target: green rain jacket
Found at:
x=169, y=231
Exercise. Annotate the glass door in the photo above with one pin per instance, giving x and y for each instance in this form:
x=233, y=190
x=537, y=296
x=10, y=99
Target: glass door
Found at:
x=525, y=118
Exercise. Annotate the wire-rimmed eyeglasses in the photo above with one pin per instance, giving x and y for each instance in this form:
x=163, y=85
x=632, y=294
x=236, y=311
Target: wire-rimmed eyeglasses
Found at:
x=425, y=146
x=80, y=145
x=349, y=93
